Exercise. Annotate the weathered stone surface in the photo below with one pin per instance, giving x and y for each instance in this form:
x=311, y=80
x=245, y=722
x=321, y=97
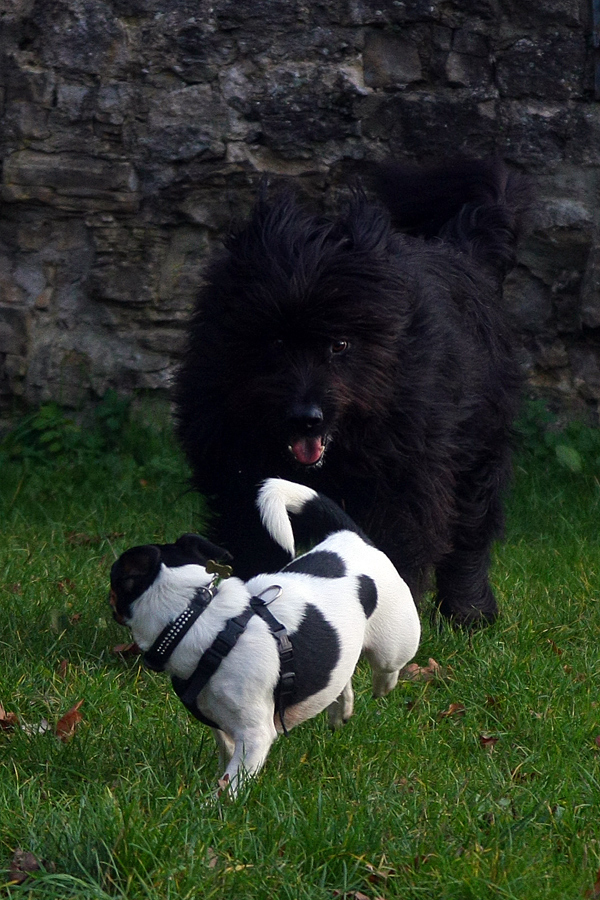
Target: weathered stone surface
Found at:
x=135, y=131
x=390, y=61
x=70, y=181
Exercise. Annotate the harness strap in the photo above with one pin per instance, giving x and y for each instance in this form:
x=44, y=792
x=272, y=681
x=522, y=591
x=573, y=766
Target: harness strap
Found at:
x=188, y=689
x=287, y=675
x=157, y=656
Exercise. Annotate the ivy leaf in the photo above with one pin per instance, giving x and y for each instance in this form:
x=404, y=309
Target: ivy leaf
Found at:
x=569, y=457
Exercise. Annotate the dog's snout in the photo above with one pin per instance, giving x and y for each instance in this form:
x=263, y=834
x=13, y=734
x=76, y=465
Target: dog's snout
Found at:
x=308, y=416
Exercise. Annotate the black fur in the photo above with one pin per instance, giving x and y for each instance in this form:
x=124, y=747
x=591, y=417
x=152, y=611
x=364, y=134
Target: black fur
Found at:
x=390, y=351
x=367, y=594
x=136, y=569
x=316, y=653
x=321, y=563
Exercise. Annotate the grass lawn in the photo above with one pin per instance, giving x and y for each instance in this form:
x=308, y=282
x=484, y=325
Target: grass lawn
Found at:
x=484, y=783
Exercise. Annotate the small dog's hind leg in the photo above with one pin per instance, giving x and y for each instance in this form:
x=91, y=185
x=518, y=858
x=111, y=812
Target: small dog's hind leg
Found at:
x=384, y=682
x=225, y=746
x=342, y=708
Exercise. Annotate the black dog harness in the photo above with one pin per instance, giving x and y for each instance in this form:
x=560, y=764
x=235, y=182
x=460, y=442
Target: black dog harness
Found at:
x=187, y=689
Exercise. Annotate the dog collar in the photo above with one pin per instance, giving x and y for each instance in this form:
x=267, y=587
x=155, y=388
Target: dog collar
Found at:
x=157, y=656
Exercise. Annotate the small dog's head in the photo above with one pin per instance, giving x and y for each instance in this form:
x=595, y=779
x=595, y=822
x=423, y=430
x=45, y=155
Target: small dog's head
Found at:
x=137, y=568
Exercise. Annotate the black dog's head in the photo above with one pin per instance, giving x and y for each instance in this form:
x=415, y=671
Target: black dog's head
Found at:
x=298, y=322
x=136, y=569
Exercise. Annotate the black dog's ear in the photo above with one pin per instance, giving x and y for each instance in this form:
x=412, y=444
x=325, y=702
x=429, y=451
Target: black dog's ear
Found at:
x=202, y=549
x=135, y=570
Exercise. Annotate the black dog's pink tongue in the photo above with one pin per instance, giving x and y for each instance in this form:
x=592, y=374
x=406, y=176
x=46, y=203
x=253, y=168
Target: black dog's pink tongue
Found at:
x=308, y=450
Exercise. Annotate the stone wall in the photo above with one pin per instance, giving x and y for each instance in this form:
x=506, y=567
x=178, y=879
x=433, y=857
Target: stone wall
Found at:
x=134, y=131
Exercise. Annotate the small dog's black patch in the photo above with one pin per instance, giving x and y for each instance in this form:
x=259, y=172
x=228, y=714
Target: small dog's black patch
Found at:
x=316, y=653
x=321, y=563
x=367, y=594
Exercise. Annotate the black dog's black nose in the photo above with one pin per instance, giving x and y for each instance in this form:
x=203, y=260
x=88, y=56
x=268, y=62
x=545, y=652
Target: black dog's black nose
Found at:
x=307, y=416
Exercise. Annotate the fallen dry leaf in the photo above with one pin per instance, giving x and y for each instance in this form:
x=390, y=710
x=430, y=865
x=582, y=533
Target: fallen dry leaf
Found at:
x=594, y=892
x=66, y=585
x=21, y=866
x=415, y=672
x=353, y=895
x=65, y=727
x=488, y=742
x=127, y=650
x=455, y=709
x=379, y=873
x=7, y=720
x=62, y=668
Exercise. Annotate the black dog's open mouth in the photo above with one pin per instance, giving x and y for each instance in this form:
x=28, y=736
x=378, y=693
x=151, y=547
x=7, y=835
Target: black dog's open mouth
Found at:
x=308, y=451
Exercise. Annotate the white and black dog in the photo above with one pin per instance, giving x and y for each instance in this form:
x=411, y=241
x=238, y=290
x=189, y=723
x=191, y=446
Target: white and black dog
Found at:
x=257, y=658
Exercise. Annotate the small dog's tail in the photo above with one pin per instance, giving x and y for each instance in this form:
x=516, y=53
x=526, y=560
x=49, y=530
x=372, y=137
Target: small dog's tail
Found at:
x=475, y=204
x=295, y=515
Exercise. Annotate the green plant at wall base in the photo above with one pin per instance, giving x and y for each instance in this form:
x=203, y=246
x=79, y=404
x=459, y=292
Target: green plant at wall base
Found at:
x=114, y=435
x=48, y=434
x=574, y=445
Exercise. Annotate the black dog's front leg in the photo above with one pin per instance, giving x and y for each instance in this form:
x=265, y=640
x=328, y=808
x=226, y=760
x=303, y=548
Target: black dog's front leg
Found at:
x=464, y=594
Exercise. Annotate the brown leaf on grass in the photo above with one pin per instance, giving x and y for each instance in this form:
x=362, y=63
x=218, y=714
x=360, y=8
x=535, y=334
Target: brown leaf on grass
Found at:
x=379, y=873
x=555, y=648
x=22, y=865
x=126, y=650
x=75, y=618
x=65, y=727
x=211, y=858
x=7, y=720
x=66, y=585
x=594, y=892
x=82, y=539
x=488, y=742
x=415, y=672
x=353, y=895
x=62, y=668
x=14, y=588
x=520, y=777
x=79, y=539
x=455, y=709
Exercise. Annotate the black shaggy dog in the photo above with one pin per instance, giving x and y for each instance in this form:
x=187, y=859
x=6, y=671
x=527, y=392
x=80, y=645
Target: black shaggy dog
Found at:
x=374, y=366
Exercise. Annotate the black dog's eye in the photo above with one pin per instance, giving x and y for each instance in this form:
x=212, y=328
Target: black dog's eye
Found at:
x=277, y=344
x=338, y=347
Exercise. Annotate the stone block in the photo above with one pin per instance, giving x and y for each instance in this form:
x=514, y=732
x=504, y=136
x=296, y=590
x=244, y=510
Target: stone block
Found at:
x=390, y=61
x=184, y=124
x=545, y=67
x=70, y=181
x=14, y=328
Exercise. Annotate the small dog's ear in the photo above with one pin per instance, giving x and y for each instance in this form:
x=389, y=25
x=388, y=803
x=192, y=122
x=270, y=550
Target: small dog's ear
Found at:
x=135, y=570
x=202, y=549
